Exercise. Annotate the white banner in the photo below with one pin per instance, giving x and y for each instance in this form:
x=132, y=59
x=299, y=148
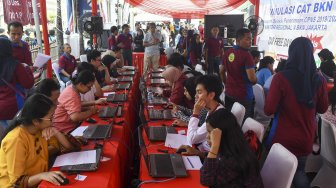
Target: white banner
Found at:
x=285, y=20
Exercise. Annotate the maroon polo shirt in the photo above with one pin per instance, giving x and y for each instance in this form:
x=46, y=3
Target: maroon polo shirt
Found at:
x=22, y=53
x=214, y=46
x=126, y=40
x=236, y=60
x=67, y=63
x=112, y=42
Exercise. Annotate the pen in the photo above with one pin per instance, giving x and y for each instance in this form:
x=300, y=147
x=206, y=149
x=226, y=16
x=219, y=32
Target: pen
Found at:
x=190, y=162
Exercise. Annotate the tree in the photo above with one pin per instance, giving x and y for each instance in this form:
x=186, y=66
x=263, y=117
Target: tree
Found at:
x=59, y=28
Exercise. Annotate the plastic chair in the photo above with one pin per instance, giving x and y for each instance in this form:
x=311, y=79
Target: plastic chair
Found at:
x=259, y=113
x=55, y=68
x=325, y=177
x=239, y=111
x=255, y=126
x=279, y=168
x=83, y=58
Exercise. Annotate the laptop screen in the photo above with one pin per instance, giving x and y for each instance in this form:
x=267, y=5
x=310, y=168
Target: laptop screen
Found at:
x=143, y=149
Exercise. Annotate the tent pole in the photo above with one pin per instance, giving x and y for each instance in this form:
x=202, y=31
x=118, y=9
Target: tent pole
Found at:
x=43, y=10
x=94, y=13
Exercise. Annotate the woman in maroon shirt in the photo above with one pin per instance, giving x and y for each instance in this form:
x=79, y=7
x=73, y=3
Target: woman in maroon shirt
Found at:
x=295, y=96
x=13, y=75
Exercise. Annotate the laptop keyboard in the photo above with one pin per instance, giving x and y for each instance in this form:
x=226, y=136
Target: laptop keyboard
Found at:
x=159, y=100
x=122, y=86
x=167, y=114
x=116, y=98
x=99, y=132
x=107, y=112
x=164, y=165
x=81, y=166
x=159, y=114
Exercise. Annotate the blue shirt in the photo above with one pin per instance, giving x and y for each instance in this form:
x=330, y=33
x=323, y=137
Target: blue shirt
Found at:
x=263, y=75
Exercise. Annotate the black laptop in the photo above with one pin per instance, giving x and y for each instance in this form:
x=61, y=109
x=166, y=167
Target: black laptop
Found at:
x=123, y=86
x=117, y=97
x=83, y=167
x=155, y=114
x=155, y=89
x=157, y=81
x=96, y=132
x=108, y=112
x=156, y=75
x=158, y=101
x=128, y=73
x=125, y=79
x=156, y=133
x=162, y=165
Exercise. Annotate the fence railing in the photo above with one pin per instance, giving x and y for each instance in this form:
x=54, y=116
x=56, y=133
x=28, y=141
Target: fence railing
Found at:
x=53, y=51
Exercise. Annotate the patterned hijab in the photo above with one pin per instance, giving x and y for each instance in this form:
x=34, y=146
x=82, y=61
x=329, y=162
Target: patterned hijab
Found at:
x=172, y=74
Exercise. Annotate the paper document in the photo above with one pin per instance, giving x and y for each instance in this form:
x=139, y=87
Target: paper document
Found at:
x=41, y=59
x=74, y=158
x=108, y=93
x=175, y=140
x=192, y=162
x=79, y=131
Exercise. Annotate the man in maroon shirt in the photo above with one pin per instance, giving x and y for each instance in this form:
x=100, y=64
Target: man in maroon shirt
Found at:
x=124, y=41
x=112, y=40
x=238, y=73
x=213, y=51
x=20, y=49
x=67, y=63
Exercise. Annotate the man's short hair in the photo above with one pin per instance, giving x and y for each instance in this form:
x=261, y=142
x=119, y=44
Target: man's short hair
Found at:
x=14, y=24
x=66, y=44
x=46, y=86
x=176, y=60
x=255, y=53
x=241, y=33
x=211, y=83
x=152, y=24
x=113, y=29
x=93, y=55
x=124, y=26
x=85, y=66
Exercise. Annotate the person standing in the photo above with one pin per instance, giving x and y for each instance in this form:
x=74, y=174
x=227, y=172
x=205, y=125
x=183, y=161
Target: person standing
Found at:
x=67, y=63
x=21, y=51
x=213, y=51
x=152, y=51
x=124, y=41
x=12, y=73
x=138, y=38
x=327, y=66
x=112, y=40
x=238, y=73
x=295, y=96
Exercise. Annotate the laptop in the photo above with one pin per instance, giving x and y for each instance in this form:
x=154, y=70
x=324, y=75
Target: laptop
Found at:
x=108, y=112
x=157, y=81
x=123, y=86
x=156, y=133
x=155, y=89
x=155, y=114
x=125, y=79
x=96, y=132
x=162, y=165
x=83, y=167
x=128, y=73
x=156, y=75
x=118, y=97
x=158, y=101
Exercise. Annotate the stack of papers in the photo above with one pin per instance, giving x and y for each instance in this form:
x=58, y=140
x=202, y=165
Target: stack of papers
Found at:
x=175, y=140
x=41, y=60
x=79, y=131
x=74, y=158
x=192, y=162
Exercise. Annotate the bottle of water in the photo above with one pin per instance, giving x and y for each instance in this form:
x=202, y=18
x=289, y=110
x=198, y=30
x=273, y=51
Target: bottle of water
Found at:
x=150, y=96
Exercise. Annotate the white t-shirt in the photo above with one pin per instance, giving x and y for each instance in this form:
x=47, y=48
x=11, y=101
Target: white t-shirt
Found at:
x=153, y=49
x=90, y=95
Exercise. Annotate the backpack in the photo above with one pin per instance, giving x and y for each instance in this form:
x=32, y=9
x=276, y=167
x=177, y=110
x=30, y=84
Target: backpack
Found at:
x=254, y=143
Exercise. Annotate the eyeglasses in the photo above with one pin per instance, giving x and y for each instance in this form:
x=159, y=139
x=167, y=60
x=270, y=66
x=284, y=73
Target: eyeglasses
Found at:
x=47, y=119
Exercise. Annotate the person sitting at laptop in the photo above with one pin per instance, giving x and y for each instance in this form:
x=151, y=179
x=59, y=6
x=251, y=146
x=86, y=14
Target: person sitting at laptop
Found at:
x=230, y=162
x=68, y=113
x=101, y=71
x=208, y=90
x=89, y=98
x=182, y=113
x=175, y=78
x=113, y=60
x=28, y=143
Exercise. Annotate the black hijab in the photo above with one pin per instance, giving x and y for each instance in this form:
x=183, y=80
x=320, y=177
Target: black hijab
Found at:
x=301, y=71
x=7, y=62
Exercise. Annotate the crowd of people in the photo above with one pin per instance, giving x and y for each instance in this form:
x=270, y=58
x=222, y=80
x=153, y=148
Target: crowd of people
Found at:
x=34, y=128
